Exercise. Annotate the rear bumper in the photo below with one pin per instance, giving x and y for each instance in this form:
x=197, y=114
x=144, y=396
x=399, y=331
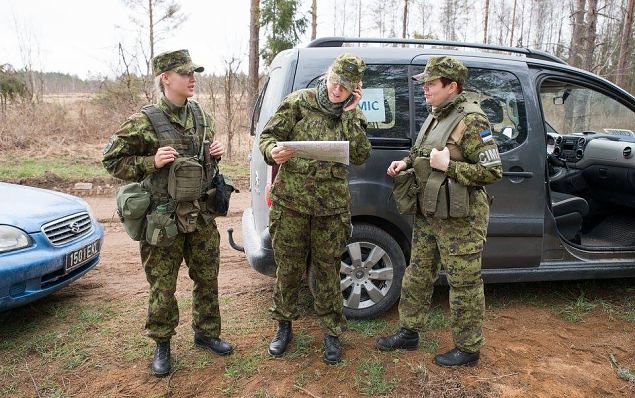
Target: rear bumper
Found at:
x=257, y=246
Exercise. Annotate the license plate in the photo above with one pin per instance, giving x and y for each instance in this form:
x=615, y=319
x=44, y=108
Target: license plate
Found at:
x=81, y=256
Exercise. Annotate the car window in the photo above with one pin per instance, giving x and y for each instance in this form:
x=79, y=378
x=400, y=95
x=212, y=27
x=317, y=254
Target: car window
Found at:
x=272, y=96
x=500, y=95
x=385, y=100
x=571, y=108
x=255, y=115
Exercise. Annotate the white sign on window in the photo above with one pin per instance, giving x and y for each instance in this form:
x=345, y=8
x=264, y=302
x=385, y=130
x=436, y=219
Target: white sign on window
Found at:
x=372, y=104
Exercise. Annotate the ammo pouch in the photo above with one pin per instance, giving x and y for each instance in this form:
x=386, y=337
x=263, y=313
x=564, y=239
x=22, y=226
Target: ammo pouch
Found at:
x=443, y=197
x=217, y=197
x=185, y=179
x=161, y=227
x=133, y=202
x=405, y=189
x=186, y=216
x=440, y=196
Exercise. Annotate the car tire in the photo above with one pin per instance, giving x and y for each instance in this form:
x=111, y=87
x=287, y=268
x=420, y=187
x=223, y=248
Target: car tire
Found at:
x=371, y=271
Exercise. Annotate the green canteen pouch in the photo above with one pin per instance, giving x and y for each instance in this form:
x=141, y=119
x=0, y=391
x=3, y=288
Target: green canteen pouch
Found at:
x=405, y=189
x=133, y=202
x=161, y=229
x=185, y=179
x=186, y=216
x=459, y=199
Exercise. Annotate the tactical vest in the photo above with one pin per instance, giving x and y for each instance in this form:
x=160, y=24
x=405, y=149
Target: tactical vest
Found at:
x=168, y=135
x=440, y=196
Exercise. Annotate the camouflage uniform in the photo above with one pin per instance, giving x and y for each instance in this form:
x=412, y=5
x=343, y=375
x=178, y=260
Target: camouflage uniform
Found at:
x=311, y=199
x=129, y=156
x=455, y=243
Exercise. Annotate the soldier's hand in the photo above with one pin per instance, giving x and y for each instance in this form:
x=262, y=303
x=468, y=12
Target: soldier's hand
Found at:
x=280, y=154
x=216, y=149
x=164, y=155
x=357, y=96
x=440, y=159
x=395, y=167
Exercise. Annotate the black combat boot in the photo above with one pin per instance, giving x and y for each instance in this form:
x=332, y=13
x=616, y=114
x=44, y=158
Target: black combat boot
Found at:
x=161, y=361
x=332, y=350
x=457, y=357
x=215, y=345
x=405, y=339
x=281, y=340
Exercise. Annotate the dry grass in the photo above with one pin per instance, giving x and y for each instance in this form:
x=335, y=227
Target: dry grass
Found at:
x=78, y=126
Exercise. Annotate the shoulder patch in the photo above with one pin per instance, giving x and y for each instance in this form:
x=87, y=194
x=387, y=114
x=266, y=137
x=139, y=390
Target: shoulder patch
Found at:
x=486, y=135
x=489, y=157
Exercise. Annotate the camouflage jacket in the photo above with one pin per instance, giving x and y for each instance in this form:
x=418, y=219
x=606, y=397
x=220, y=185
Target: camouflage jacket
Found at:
x=474, y=158
x=129, y=155
x=310, y=186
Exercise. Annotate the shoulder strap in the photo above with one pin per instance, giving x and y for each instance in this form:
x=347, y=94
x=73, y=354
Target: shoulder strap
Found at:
x=199, y=117
x=424, y=128
x=160, y=123
x=445, y=128
x=472, y=107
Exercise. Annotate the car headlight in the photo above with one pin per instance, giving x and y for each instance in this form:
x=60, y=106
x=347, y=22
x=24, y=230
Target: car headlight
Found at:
x=12, y=238
x=88, y=209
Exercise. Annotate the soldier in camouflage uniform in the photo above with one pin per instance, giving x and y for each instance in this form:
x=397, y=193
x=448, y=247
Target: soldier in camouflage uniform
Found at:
x=469, y=157
x=311, y=200
x=138, y=153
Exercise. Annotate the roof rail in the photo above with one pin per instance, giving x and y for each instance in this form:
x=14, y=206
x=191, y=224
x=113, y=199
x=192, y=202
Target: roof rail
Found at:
x=339, y=42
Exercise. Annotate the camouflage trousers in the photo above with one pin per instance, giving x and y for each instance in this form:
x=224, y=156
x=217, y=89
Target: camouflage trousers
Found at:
x=294, y=235
x=200, y=250
x=457, y=245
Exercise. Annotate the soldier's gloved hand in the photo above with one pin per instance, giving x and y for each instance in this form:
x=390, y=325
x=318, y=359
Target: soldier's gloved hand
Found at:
x=164, y=155
x=395, y=167
x=440, y=159
x=280, y=154
x=216, y=149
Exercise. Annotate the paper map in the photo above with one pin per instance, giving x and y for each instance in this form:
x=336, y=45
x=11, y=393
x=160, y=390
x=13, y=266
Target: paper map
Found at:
x=330, y=151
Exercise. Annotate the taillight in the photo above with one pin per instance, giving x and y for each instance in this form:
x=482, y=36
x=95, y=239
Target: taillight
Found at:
x=272, y=171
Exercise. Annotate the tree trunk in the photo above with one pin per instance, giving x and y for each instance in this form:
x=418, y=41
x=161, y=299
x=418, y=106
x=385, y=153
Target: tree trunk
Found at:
x=151, y=29
x=404, y=33
x=576, y=33
x=359, y=18
x=485, y=22
x=511, y=39
x=625, y=43
x=591, y=34
x=254, y=58
x=313, y=18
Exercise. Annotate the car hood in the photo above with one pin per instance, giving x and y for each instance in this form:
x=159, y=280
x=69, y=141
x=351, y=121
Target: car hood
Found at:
x=29, y=208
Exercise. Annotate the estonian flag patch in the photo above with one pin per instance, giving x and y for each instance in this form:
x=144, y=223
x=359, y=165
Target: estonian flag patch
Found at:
x=486, y=135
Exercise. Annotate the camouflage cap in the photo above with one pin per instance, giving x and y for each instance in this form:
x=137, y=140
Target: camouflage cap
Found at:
x=444, y=66
x=178, y=61
x=347, y=70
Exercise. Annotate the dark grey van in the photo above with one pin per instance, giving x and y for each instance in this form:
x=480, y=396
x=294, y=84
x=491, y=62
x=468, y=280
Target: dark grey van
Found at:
x=565, y=208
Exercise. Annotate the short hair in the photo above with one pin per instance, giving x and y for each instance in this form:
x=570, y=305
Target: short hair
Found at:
x=446, y=80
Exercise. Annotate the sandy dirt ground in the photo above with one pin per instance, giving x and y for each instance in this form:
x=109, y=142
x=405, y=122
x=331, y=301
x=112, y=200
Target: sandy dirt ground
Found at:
x=87, y=340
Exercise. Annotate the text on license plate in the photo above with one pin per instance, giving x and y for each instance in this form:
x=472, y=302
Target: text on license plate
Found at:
x=78, y=257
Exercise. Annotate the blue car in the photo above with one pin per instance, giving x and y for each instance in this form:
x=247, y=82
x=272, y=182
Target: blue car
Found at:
x=47, y=240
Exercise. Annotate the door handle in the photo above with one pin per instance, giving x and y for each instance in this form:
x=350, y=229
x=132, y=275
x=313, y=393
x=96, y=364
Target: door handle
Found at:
x=518, y=174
